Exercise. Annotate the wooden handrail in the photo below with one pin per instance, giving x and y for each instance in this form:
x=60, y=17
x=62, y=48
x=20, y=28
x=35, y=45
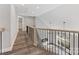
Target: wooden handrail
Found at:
x=2, y=29
x=56, y=40
x=76, y=31
x=58, y=30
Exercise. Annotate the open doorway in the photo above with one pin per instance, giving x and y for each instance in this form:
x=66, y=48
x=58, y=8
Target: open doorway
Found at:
x=20, y=23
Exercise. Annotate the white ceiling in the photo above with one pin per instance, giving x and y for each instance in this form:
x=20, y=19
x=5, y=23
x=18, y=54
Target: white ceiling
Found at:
x=34, y=9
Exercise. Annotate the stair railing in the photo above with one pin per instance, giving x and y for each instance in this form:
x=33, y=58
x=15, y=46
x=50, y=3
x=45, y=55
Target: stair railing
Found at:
x=59, y=42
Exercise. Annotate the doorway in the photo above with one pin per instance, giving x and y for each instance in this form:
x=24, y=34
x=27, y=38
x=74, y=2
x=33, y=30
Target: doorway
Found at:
x=20, y=23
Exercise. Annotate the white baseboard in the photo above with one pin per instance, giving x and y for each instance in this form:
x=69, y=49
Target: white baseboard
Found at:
x=11, y=44
x=6, y=50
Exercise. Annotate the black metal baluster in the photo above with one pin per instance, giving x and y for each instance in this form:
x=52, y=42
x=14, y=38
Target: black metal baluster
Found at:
x=58, y=43
x=73, y=43
x=40, y=38
x=65, y=43
x=42, y=46
x=69, y=44
x=47, y=41
x=55, y=42
x=61, y=43
x=45, y=34
x=52, y=41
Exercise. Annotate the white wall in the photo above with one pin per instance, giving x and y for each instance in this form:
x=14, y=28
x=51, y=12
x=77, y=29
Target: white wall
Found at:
x=13, y=25
x=55, y=18
x=9, y=22
x=28, y=21
x=5, y=23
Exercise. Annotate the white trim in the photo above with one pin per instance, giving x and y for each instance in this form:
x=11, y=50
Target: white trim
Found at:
x=6, y=50
x=12, y=43
x=48, y=10
x=13, y=40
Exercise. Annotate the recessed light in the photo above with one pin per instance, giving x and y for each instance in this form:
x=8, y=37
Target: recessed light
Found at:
x=32, y=12
x=22, y=4
x=37, y=7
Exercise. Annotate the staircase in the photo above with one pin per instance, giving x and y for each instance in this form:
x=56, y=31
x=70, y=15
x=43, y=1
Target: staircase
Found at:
x=24, y=46
x=22, y=41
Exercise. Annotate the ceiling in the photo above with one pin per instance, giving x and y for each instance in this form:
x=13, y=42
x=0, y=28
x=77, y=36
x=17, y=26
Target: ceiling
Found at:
x=34, y=9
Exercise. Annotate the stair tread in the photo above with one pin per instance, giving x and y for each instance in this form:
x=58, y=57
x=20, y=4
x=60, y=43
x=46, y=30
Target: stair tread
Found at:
x=24, y=46
x=19, y=46
x=20, y=42
x=20, y=39
x=31, y=50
